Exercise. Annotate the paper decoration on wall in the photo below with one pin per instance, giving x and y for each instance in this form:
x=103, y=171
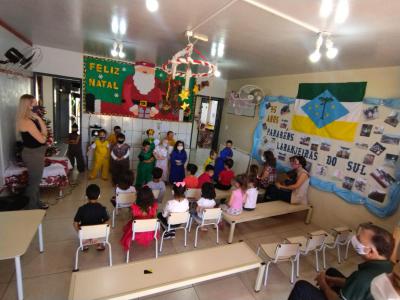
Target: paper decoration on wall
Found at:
x=364, y=171
x=135, y=90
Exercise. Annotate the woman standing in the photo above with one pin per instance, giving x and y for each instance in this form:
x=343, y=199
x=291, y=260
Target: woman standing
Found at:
x=34, y=135
x=177, y=161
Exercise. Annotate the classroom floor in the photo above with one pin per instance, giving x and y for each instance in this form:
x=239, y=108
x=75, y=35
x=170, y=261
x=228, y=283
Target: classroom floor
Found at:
x=47, y=275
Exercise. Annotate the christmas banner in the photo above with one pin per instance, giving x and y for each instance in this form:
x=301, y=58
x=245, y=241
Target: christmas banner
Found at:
x=361, y=164
x=137, y=89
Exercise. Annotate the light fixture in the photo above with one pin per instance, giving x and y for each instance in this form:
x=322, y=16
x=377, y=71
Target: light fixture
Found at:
x=331, y=52
x=326, y=8
x=213, y=49
x=152, y=5
x=115, y=25
x=342, y=11
x=114, y=51
x=315, y=56
x=121, y=52
x=221, y=48
x=122, y=26
x=118, y=50
x=118, y=25
x=217, y=73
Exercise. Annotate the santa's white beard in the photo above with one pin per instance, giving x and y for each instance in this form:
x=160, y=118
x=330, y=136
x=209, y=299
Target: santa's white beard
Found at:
x=144, y=82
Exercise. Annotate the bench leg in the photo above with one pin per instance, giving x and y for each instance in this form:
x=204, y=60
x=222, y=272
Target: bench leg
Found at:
x=231, y=232
x=259, y=278
x=309, y=214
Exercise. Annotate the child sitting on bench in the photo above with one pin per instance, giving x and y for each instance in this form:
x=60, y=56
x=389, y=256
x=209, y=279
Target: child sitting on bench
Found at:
x=226, y=176
x=251, y=194
x=238, y=196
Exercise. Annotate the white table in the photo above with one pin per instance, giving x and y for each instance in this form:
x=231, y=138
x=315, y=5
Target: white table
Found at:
x=129, y=281
x=17, y=229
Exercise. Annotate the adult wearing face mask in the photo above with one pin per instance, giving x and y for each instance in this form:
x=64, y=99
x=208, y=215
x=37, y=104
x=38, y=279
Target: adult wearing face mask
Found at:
x=161, y=155
x=33, y=132
x=375, y=245
x=177, y=161
x=101, y=161
x=387, y=286
x=119, y=158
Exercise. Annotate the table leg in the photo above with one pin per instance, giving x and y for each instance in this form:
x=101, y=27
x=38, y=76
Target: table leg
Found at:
x=40, y=234
x=18, y=271
x=309, y=214
x=261, y=271
x=231, y=232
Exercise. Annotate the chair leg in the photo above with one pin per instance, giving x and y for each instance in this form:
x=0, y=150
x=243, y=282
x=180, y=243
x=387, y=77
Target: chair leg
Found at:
x=190, y=223
x=347, y=250
x=77, y=258
x=338, y=254
x=292, y=274
x=127, y=255
x=258, y=251
x=316, y=260
x=217, y=234
x=109, y=254
x=324, y=258
x=185, y=236
x=266, y=273
x=195, y=239
x=113, y=218
x=156, y=247
x=162, y=240
x=298, y=266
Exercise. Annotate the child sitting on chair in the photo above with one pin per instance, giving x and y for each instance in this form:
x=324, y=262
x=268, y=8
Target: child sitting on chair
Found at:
x=251, y=194
x=178, y=204
x=226, y=176
x=206, y=201
x=157, y=183
x=124, y=185
x=206, y=176
x=238, y=196
x=191, y=180
x=92, y=213
x=145, y=207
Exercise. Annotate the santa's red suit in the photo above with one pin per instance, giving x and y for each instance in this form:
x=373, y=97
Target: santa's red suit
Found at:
x=131, y=97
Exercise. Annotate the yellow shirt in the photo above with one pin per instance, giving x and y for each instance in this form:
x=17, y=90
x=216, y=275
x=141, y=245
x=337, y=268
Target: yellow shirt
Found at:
x=101, y=150
x=209, y=161
x=112, y=139
x=171, y=142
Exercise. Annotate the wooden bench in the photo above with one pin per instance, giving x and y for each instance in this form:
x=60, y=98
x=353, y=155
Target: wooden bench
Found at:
x=265, y=210
x=133, y=280
x=221, y=194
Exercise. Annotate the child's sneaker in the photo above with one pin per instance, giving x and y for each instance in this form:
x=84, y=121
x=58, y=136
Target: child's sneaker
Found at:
x=169, y=235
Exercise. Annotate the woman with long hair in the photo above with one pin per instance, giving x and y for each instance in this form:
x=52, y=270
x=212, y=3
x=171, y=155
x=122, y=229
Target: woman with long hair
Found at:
x=33, y=132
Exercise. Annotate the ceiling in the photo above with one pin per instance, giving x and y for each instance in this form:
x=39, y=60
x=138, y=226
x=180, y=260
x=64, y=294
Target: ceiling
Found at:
x=257, y=43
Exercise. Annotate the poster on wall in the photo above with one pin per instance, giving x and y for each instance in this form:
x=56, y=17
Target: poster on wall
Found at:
x=139, y=90
x=351, y=144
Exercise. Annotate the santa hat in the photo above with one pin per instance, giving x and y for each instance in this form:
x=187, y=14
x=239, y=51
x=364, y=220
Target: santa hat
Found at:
x=145, y=64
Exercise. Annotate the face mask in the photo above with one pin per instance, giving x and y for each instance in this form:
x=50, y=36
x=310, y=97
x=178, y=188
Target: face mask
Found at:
x=180, y=148
x=74, y=130
x=382, y=288
x=165, y=144
x=121, y=141
x=358, y=246
x=263, y=159
x=102, y=138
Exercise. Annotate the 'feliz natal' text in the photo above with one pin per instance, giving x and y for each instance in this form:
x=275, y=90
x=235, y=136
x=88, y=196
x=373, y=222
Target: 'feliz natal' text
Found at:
x=94, y=82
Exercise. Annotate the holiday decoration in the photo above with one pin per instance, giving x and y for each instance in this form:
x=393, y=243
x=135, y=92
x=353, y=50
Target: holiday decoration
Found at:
x=51, y=149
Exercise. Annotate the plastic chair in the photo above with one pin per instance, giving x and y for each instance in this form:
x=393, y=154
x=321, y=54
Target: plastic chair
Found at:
x=314, y=241
x=279, y=252
x=211, y=216
x=175, y=221
x=92, y=235
x=340, y=236
x=145, y=225
x=193, y=194
x=122, y=200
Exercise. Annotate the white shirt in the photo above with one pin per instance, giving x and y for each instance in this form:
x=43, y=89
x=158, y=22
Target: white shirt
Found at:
x=205, y=203
x=175, y=206
x=131, y=189
x=251, y=198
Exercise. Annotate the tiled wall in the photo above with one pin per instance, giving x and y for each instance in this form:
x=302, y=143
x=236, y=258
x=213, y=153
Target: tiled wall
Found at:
x=134, y=130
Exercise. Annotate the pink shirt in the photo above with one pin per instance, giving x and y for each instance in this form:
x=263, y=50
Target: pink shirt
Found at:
x=237, y=199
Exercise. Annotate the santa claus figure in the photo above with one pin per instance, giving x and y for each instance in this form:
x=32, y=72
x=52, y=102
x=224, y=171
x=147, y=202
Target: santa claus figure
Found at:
x=141, y=92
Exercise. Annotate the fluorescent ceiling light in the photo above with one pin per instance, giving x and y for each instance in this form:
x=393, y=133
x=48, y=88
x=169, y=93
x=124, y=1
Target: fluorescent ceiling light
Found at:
x=114, y=25
x=213, y=49
x=122, y=26
x=152, y=5
x=221, y=48
x=326, y=8
x=342, y=11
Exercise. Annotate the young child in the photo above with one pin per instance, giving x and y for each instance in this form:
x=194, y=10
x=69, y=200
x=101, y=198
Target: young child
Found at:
x=191, y=180
x=119, y=158
x=150, y=138
x=177, y=161
x=206, y=176
x=210, y=160
x=144, y=208
x=178, y=204
x=238, y=196
x=157, y=183
x=75, y=149
x=170, y=138
x=206, y=201
x=161, y=155
x=101, y=161
x=146, y=165
x=124, y=185
x=92, y=213
x=251, y=194
x=226, y=176
x=112, y=139
x=225, y=154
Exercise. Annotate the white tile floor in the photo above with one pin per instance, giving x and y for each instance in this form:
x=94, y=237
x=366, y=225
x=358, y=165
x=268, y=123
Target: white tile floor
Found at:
x=47, y=275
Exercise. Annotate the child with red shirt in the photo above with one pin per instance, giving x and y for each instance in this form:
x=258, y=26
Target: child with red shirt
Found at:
x=191, y=180
x=226, y=176
x=206, y=176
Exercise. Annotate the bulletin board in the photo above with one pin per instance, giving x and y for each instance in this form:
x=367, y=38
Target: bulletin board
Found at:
x=361, y=167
